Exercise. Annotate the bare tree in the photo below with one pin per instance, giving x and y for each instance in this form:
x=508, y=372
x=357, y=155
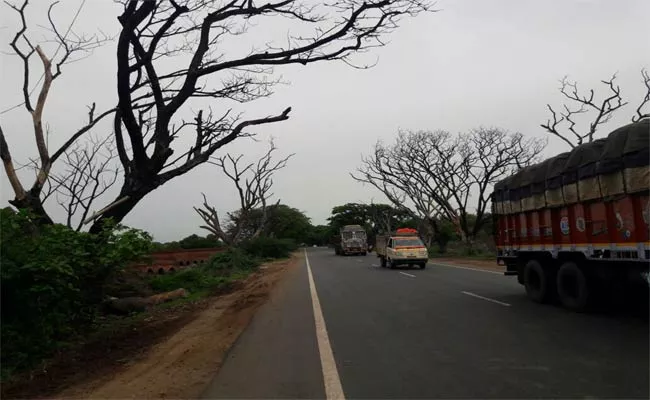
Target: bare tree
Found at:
x=437, y=176
x=564, y=123
x=24, y=47
x=640, y=114
x=410, y=185
x=88, y=173
x=150, y=94
x=253, y=183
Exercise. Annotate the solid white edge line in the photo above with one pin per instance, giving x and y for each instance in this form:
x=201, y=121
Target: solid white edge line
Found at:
x=469, y=268
x=485, y=298
x=333, y=388
x=404, y=273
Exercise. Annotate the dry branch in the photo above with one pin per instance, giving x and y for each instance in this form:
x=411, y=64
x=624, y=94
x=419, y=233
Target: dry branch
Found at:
x=253, y=183
x=438, y=176
x=564, y=124
x=24, y=48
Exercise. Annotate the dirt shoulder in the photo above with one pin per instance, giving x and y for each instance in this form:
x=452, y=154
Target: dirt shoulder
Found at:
x=490, y=265
x=181, y=365
x=172, y=351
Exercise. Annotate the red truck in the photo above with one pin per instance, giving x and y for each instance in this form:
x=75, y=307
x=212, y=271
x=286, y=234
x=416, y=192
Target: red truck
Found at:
x=576, y=225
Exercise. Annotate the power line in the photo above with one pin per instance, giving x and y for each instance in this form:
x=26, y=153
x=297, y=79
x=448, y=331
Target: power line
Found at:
x=74, y=19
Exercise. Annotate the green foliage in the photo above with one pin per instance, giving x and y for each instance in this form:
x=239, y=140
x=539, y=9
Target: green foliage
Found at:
x=193, y=241
x=319, y=235
x=267, y=247
x=220, y=270
x=282, y=221
x=52, y=281
x=234, y=259
x=375, y=218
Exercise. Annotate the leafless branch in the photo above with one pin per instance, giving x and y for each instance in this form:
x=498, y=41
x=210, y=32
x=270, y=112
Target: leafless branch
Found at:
x=436, y=175
x=24, y=48
x=646, y=99
x=153, y=32
x=253, y=182
x=600, y=110
x=88, y=173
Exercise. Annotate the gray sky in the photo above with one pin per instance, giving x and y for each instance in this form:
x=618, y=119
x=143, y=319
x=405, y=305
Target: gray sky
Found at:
x=474, y=63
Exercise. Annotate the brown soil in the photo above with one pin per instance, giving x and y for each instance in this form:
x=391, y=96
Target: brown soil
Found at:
x=471, y=263
x=169, y=352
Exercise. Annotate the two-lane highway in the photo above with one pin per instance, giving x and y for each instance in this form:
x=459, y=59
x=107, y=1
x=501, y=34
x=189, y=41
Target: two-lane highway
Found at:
x=439, y=332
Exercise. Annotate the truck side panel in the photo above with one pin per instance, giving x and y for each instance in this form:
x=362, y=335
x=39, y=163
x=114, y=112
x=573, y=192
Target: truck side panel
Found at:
x=620, y=225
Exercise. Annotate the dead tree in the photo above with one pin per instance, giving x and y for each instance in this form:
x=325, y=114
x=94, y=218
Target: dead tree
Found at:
x=441, y=177
x=640, y=113
x=24, y=47
x=406, y=179
x=192, y=33
x=88, y=172
x=253, y=183
x=564, y=123
x=489, y=154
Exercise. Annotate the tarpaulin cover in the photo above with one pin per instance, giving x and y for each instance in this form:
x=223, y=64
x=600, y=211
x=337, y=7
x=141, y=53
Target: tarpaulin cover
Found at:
x=621, y=161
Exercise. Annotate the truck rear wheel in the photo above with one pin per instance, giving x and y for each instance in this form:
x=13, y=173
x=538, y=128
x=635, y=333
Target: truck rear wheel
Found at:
x=538, y=286
x=572, y=287
x=383, y=262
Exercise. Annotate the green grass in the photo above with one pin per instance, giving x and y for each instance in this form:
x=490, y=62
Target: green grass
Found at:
x=221, y=270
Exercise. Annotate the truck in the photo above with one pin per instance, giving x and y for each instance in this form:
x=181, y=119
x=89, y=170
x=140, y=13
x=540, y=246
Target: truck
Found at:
x=575, y=227
x=403, y=247
x=352, y=239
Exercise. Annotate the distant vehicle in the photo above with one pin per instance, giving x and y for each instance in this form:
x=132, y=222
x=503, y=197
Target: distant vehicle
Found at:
x=352, y=239
x=576, y=225
x=404, y=247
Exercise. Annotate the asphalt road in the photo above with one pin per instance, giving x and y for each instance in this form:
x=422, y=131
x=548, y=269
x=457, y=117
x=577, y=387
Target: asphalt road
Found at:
x=442, y=332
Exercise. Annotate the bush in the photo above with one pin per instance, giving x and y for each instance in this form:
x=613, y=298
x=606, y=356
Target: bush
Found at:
x=221, y=269
x=233, y=259
x=267, y=247
x=193, y=279
x=52, y=281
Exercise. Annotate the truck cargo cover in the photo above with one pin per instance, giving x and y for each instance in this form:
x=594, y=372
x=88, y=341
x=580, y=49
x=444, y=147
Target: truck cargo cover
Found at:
x=630, y=142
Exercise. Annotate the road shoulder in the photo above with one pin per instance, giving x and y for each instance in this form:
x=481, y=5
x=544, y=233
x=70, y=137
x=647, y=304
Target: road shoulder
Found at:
x=184, y=363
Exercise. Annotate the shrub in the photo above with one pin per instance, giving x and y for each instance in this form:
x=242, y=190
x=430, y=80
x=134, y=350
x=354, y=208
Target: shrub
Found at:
x=233, y=259
x=267, y=247
x=193, y=279
x=52, y=280
x=218, y=271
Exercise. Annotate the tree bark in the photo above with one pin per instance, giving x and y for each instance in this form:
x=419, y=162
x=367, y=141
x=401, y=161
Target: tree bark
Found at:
x=32, y=202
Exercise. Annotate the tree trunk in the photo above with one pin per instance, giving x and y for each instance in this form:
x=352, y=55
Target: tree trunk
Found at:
x=135, y=190
x=32, y=202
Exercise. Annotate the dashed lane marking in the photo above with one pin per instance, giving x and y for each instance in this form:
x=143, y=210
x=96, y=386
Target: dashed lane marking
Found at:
x=404, y=273
x=486, y=299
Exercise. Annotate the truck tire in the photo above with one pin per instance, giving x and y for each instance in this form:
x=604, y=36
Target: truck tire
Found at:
x=422, y=265
x=536, y=282
x=383, y=262
x=392, y=264
x=572, y=287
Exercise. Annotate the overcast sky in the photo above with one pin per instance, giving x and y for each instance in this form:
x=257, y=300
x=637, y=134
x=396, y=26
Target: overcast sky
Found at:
x=491, y=63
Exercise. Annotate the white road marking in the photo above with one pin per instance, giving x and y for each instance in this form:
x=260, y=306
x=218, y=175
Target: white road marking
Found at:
x=404, y=273
x=374, y=265
x=485, y=298
x=469, y=268
x=333, y=388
